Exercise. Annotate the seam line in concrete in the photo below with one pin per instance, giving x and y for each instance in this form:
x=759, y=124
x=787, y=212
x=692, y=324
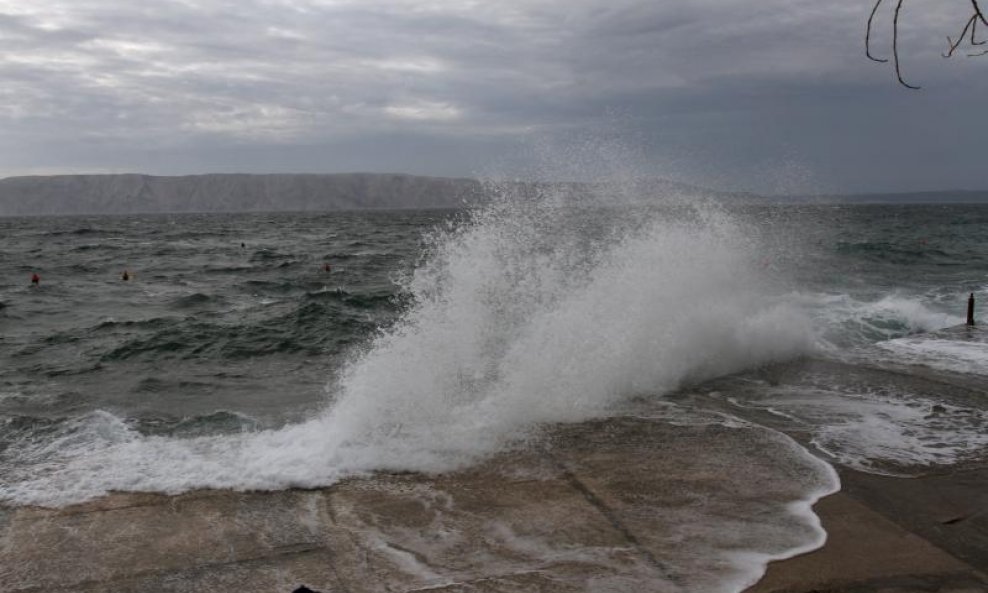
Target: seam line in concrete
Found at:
x=611, y=517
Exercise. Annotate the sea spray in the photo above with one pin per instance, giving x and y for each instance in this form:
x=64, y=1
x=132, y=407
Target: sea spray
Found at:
x=531, y=311
x=518, y=322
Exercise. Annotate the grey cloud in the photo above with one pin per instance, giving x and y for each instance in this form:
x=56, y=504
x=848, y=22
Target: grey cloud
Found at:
x=449, y=87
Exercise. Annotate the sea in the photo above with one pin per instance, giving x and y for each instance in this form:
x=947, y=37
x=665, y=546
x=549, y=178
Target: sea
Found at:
x=264, y=351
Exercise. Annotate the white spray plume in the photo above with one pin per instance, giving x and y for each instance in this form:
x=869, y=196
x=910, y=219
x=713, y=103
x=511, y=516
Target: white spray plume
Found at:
x=533, y=311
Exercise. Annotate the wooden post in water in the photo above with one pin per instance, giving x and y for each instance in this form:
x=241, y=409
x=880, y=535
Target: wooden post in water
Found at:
x=970, y=309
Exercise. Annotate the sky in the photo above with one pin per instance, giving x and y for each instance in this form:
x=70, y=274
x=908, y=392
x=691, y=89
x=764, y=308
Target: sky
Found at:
x=774, y=96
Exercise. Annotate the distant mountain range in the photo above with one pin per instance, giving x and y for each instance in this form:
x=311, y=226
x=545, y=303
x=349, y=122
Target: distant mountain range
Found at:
x=134, y=193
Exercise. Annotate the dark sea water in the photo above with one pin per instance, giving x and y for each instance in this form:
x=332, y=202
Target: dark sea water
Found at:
x=232, y=359
x=206, y=327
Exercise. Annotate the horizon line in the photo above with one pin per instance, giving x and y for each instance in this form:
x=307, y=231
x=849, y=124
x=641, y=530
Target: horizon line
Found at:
x=820, y=195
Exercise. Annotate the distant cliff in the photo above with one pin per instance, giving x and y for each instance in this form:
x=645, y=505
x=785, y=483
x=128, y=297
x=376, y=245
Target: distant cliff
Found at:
x=132, y=193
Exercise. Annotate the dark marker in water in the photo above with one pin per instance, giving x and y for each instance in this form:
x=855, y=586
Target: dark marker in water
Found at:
x=970, y=309
x=35, y=279
x=125, y=276
x=327, y=268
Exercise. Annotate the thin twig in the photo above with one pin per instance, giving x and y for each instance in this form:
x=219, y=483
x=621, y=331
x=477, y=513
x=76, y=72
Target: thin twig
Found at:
x=895, y=45
x=868, y=33
x=951, y=46
x=978, y=13
x=974, y=28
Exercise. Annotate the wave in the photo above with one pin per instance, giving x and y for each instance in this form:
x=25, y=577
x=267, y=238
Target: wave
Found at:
x=81, y=231
x=379, y=300
x=197, y=299
x=279, y=287
x=893, y=252
x=13, y=402
x=270, y=255
x=966, y=357
x=221, y=421
x=227, y=269
x=98, y=247
x=311, y=327
x=841, y=320
x=149, y=323
x=530, y=313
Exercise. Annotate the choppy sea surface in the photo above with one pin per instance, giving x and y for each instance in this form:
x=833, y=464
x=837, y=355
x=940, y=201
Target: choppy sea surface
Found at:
x=265, y=351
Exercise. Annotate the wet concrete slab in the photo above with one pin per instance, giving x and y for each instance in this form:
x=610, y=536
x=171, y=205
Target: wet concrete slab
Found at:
x=137, y=539
x=867, y=552
x=949, y=509
x=514, y=523
x=600, y=506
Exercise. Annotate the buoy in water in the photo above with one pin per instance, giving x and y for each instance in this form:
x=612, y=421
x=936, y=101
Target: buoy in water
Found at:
x=35, y=279
x=327, y=268
x=125, y=276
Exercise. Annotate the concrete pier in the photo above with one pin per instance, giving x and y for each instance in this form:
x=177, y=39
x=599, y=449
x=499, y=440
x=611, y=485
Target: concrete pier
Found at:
x=591, y=513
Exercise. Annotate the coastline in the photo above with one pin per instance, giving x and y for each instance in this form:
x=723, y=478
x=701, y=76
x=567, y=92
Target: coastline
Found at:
x=595, y=509
x=620, y=504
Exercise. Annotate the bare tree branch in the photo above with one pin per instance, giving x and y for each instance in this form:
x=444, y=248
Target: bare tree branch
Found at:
x=895, y=46
x=868, y=33
x=967, y=38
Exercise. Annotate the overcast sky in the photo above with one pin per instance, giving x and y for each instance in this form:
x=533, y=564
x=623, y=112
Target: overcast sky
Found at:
x=769, y=96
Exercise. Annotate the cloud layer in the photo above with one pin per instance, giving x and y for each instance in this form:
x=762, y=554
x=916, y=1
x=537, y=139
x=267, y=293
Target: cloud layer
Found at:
x=772, y=96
